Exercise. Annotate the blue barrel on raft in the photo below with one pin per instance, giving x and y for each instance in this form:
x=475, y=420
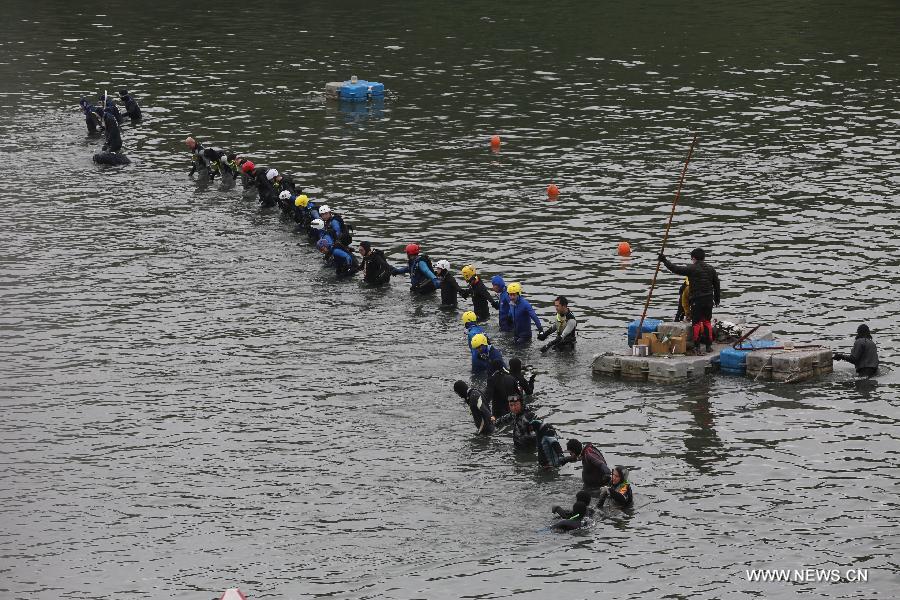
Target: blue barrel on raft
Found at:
x=733, y=361
x=649, y=326
x=360, y=91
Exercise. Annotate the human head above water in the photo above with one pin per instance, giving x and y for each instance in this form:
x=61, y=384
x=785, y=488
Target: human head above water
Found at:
x=461, y=388
x=863, y=331
x=515, y=365
x=574, y=447
x=618, y=475
x=698, y=254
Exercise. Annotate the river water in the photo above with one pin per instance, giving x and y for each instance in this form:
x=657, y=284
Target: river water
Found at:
x=191, y=403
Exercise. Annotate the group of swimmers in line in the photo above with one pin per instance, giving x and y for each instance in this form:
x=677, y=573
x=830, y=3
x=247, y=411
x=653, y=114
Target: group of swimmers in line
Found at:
x=502, y=402
x=508, y=387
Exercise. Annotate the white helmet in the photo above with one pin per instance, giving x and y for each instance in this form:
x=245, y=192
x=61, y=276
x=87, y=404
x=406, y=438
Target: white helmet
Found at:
x=324, y=209
x=442, y=264
x=271, y=174
x=285, y=195
x=317, y=224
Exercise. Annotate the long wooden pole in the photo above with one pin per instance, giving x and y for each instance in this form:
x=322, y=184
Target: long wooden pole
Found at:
x=665, y=238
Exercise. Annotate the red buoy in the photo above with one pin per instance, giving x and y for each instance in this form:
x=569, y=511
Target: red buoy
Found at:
x=552, y=191
x=495, y=142
x=624, y=249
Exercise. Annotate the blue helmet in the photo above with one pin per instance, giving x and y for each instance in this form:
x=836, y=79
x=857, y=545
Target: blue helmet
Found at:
x=323, y=244
x=498, y=280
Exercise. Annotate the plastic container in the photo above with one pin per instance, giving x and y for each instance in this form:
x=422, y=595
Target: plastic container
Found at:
x=376, y=89
x=650, y=325
x=354, y=92
x=734, y=361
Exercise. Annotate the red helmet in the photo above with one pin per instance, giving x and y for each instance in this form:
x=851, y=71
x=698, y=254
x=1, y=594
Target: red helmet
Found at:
x=412, y=249
x=248, y=166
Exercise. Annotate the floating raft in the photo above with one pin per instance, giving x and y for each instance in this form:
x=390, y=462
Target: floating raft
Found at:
x=772, y=363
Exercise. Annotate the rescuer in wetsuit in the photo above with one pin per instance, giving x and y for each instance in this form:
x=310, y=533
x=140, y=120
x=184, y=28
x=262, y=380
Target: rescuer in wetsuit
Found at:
x=594, y=470
x=619, y=489
x=481, y=298
x=375, y=267
x=565, y=327
x=525, y=384
x=704, y=293
x=480, y=408
x=449, y=285
x=131, y=105
x=864, y=355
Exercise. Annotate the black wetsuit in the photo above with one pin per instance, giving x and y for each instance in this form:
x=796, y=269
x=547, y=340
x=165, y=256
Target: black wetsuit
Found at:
x=113, y=135
x=131, y=107
x=286, y=183
x=864, y=357
x=449, y=289
x=267, y=195
x=501, y=386
x=481, y=298
x=91, y=119
x=705, y=289
x=481, y=411
x=575, y=519
x=565, y=513
x=526, y=385
x=594, y=470
x=523, y=434
x=376, y=270
x=620, y=494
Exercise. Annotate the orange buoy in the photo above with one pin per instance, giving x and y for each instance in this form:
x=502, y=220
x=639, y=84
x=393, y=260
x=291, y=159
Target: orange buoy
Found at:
x=552, y=191
x=495, y=142
x=624, y=249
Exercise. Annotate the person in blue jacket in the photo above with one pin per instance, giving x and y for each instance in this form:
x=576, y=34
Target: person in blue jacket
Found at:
x=345, y=264
x=499, y=286
x=421, y=275
x=486, y=357
x=522, y=313
x=469, y=319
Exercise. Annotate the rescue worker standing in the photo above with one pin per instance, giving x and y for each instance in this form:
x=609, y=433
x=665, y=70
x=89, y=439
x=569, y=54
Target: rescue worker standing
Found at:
x=131, y=105
x=422, y=279
x=449, y=285
x=113, y=135
x=522, y=315
x=565, y=327
x=594, y=470
x=375, y=268
x=485, y=356
x=481, y=298
x=705, y=292
x=502, y=304
x=864, y=355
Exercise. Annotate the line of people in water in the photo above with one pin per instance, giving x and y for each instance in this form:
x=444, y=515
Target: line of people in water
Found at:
x=502, y=403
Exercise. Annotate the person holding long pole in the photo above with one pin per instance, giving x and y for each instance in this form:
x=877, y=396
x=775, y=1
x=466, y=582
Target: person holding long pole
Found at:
x=704, y=293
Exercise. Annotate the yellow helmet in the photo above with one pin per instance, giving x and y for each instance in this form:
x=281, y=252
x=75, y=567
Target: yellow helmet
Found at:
x=469, y=317
x=479, y=340
x=514, y=288
x=468, y=272
x=302, y=200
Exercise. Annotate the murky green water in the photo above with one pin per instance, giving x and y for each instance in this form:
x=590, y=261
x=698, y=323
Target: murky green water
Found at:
x=191, y=403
